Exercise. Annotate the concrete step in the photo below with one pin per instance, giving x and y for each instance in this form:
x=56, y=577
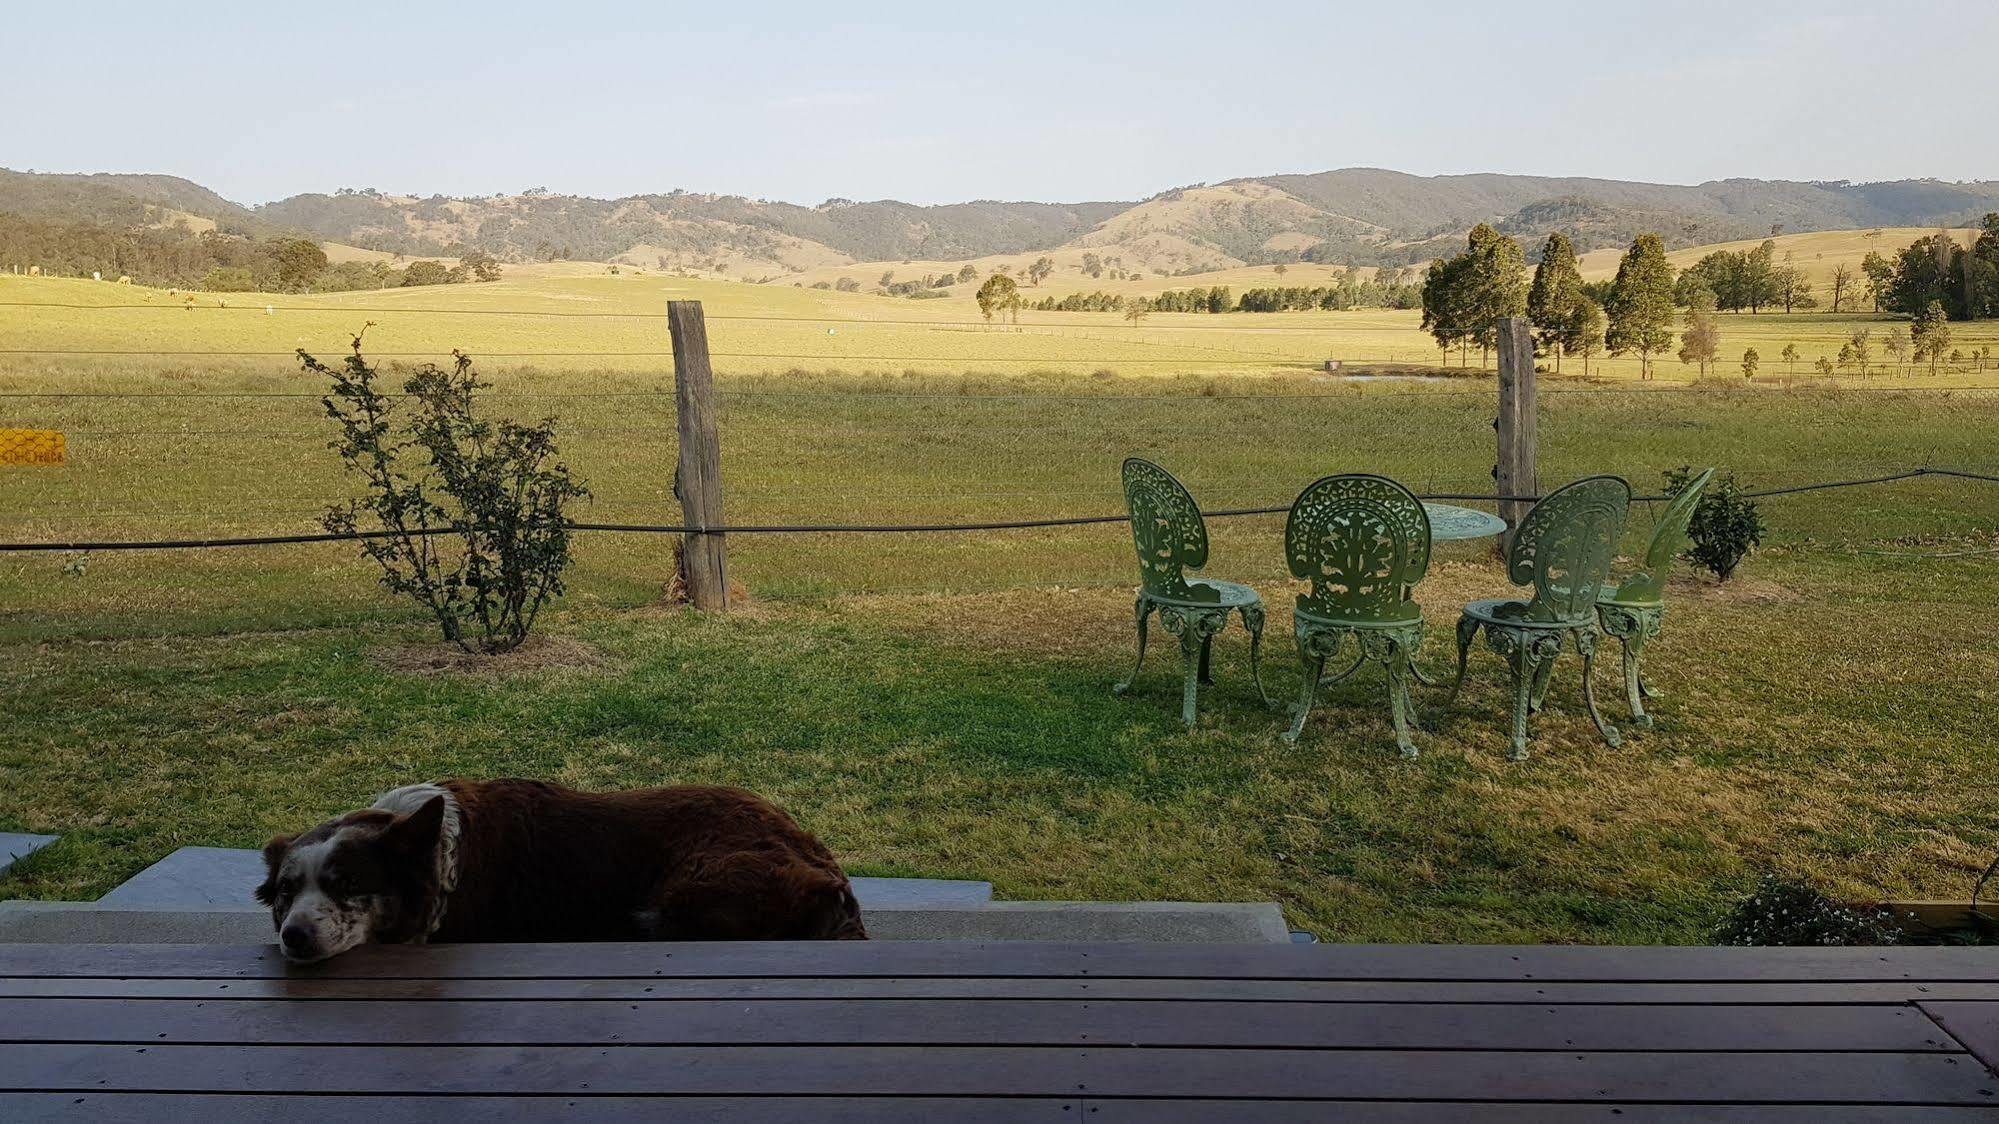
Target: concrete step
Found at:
x=19, y=845
x=29, y=922
x=223, y=877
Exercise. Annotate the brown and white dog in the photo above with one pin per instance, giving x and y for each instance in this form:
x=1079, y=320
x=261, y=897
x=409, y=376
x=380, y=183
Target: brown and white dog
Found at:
x=516, y=860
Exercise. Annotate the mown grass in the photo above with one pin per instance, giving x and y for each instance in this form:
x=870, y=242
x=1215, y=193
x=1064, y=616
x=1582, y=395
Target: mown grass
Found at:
x=976, y=736
x=938, y=704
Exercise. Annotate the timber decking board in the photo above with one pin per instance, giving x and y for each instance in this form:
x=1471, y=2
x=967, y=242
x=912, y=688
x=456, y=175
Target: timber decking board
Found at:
x=1974, y=1024
x=149, y=1108
x=974, y=1071
x=995, y=1022
x=322, y=986
x=1029, y=958
x=911, y=1031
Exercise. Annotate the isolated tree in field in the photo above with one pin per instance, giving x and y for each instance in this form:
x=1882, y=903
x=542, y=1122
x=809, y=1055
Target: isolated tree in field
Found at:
x=1641, y=303
x=1823, y=365
x=1842, y=285
x=1862, y=343
x=1897, y=346
x=1930, y=335
x=1880, y=275
x=1278, y=269
x=999, y=294
x=1700, y=342
x=1846, y=355
x=1583, y=335
x=1750, y=360
x=1790, y=357
x=1039, y=271
x=1793, y=288
x=1555, y=295
x=1137, y=310
x=967, y=273
x=430, y=273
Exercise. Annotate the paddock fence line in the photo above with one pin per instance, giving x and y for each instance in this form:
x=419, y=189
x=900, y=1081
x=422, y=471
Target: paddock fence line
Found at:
x=838, y=489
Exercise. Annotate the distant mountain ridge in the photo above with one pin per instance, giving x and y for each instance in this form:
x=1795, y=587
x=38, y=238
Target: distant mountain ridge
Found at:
x=1348, y=216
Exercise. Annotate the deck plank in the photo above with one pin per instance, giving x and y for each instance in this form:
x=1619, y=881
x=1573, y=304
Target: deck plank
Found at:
x=1976, y=1025
x=1026, y=959
x=322, y=986
x=151, y=1108
x=960, y=1071
x=990, y=1022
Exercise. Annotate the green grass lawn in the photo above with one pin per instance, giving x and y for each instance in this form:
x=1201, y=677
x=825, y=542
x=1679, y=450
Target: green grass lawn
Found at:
x=1844, y=739
x=940, y=705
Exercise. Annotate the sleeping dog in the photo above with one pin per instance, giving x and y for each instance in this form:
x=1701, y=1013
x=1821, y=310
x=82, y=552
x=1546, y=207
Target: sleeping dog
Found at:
x=515, y=860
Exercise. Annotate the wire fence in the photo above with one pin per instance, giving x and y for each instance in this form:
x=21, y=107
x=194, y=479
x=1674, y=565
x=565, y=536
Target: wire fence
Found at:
x=907, y=483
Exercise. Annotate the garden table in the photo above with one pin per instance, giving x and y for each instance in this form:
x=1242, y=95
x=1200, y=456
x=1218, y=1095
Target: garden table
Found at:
x=1449, y=522
x=908, y=1031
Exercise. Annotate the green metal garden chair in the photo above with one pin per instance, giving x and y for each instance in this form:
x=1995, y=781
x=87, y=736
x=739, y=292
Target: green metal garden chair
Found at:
x=1171, y=537
x=1633, y=609
x=1563, y=548
x=1363, y=542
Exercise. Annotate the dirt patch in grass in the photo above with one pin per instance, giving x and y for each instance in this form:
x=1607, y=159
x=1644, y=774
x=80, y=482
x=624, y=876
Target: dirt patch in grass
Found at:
x=536, y=654
x=1738, y=590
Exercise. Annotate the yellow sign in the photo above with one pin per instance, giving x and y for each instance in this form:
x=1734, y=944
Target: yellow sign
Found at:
x=31, y=446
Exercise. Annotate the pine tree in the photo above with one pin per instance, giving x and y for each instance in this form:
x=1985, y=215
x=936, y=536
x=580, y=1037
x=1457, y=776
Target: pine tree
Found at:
x=1583, y=334
x=1497, y=279
x=1641, y=303
x=1553, y=299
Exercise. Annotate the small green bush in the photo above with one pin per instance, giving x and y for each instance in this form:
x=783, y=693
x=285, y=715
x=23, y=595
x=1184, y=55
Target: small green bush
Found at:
x=1781, y=912
x=477, y=530
x=1726, y=525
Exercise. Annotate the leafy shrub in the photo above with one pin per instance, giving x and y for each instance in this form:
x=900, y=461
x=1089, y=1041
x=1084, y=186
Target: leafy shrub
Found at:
x=1726, y=525
x=1783, y=912
x=494, y=489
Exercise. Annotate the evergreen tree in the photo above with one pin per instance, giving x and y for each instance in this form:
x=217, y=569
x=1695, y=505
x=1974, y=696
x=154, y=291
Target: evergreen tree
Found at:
x=1750, y=360
x=1584, y=333
x=1554, y=298
x=1641, y=303
x=1445, y=315
x=1497, y=277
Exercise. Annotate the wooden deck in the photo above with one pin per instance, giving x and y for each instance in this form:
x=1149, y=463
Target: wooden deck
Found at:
x=948, y=1032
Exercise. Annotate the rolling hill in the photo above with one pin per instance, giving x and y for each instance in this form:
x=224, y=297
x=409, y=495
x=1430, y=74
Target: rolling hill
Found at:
x=1362, y=216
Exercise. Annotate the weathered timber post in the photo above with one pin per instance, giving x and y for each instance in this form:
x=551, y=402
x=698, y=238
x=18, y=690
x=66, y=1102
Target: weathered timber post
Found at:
x=697, y=479
x=1513, y=474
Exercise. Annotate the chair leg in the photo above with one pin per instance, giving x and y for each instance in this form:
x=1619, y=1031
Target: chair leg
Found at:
x=1467, y=632
x=1399, y=666
x=1543, y=675
x=1207, y=650
x=1423, y=677
x=1634, y=691
x=1252, y=619
x=1142, y=611
x=1190, y=687
x=1195, y=628
x=1315, y=666
x=1522, y=665
x=1586, y=644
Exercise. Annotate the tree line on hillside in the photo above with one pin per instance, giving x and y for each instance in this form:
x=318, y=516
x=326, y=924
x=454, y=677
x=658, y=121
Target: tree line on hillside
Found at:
x=176, y=257
x=1933, y=281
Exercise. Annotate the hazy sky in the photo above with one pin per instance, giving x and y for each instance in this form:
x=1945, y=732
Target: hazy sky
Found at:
x=940, y=102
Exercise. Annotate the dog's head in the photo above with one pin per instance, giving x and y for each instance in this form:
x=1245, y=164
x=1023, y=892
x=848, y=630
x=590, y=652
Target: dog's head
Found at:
x=366, y=876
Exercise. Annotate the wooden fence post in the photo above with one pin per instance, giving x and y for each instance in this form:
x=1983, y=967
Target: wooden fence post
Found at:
x=697, y=479
x=1513, y=474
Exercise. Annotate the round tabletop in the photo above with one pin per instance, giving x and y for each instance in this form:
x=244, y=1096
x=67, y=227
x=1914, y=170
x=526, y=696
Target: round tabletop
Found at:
x=1448, y=522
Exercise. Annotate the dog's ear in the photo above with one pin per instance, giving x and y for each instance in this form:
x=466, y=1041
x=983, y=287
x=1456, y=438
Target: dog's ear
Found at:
x=274, y=857
x=417, y=831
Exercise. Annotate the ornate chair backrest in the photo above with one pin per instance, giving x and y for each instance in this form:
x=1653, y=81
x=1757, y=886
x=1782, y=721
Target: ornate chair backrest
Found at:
x=1166, y=528
x=1362, y=541
x=1566, y=545
x=1669, y=536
